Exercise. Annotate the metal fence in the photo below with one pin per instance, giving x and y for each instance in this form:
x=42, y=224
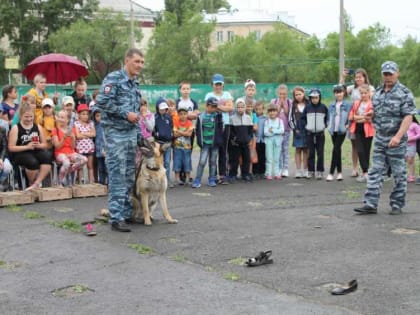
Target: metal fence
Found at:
x=265, y=91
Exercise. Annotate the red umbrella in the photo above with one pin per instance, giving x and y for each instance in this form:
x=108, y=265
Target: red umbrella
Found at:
x=58, y=68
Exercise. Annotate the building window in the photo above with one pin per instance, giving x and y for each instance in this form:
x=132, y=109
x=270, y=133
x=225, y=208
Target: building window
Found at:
x=230, y=36
x=258, y=35
x=219, y=37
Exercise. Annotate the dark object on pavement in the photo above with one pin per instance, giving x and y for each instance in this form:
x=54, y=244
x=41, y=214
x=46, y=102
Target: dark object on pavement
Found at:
x=263, y=258
x=90, y=230
x=345, y=289
x=120, y=226
x=366, y=209
x=102, y=218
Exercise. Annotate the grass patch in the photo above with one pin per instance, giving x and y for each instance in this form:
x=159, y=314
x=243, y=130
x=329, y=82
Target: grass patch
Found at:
x=282, y=203
x=231, y=276
x=33, y=215
x=13, y=208
x=70, y=225
x=71, y=290
x=239, y=261
x=2, y=263
x=209, y=269
x=352, y=194
x=179, y=258
x=141, y=249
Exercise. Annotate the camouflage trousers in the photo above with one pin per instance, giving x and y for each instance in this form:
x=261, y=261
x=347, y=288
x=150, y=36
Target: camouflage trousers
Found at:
x=121, y=149
x=384, y=156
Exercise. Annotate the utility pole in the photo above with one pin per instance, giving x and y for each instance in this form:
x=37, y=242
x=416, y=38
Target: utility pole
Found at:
x=341, y=53
x=131, y=24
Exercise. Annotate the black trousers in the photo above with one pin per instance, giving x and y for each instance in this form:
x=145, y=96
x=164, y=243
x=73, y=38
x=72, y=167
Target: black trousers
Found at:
x=363, y=145
x=316, y=144
x=236, y=151
x=259, y=167
x=336, y=163
x=223, y=155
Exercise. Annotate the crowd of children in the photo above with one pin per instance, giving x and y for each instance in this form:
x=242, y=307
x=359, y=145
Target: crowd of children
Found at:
x=243, y=135
x=34, y=136
x=246, y=136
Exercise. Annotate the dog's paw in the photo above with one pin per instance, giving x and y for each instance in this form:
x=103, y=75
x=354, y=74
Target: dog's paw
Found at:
x=147, y=222
x=172, y=221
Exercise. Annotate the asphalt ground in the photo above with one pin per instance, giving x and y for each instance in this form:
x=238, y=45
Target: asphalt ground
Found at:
x=196, y=266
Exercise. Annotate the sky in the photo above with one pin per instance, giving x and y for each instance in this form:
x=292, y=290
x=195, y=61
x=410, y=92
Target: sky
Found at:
x=321, y=17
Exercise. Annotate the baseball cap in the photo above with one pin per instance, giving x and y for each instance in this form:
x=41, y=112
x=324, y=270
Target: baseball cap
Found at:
x=82, y=107
x=182, y=109
x=47, y=102
x=67, y=100
x=218, y=78
x=212, y=101
x=339, y=88
x=314, y=92
x=272, y=107
x=249, y=82
x=389, y=67
x=163, y=105
x=238, y=101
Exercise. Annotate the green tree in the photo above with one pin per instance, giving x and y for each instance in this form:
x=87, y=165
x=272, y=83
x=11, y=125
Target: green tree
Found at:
x=239, y=60
x=99, y=43
x=179, y=51
x=408, y=59
x=28, y=24
x=372, y=46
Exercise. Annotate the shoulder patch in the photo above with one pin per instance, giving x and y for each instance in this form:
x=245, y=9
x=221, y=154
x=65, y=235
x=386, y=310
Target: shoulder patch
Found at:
x=107, y=88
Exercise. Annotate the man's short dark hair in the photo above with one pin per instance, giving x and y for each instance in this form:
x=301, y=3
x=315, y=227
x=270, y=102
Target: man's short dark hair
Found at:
x=133, y=51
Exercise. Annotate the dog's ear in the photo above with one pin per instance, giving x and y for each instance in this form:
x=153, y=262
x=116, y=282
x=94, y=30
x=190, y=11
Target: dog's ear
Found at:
x=148, y=143
x=165, y=146
x=146, y=151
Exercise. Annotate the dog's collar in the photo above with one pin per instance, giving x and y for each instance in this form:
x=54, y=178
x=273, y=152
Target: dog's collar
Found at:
x=153, y=168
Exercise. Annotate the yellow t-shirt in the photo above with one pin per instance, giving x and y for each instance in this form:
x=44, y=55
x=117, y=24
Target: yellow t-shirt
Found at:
x=48, y=123
x=39, y=98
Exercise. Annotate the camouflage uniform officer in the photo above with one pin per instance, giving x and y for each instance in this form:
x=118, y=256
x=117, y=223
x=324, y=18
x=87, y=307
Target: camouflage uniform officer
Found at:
x=118, y=101
x=393, y=107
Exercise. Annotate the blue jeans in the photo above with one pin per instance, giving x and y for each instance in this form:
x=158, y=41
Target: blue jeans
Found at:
x=206, y=152
x=167, y=163
x=182, y=160
x=102, y=173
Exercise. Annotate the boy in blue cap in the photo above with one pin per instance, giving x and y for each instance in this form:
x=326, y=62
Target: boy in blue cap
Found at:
x=225, y=105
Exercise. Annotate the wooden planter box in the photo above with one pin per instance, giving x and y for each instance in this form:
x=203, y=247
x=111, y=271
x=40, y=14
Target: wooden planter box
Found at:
x=52, y=193
x=89, y=190
x=16, y=198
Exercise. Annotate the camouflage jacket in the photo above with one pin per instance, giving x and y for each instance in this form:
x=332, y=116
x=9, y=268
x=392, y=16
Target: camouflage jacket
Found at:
x=390, y=108
x=118, y=96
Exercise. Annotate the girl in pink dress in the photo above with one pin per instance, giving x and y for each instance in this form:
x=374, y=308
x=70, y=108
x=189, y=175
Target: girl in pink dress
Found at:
x=85, y=133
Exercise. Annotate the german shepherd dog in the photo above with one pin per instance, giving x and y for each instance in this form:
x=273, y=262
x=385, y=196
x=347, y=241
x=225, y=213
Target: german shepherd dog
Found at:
x=151, y=183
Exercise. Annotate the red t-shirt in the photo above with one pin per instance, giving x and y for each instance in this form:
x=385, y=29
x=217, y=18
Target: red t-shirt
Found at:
x=67, y=147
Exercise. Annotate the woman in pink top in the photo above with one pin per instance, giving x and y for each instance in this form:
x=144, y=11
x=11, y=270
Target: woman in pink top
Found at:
x=361, y=125
x=413, y=134
x=147, y=124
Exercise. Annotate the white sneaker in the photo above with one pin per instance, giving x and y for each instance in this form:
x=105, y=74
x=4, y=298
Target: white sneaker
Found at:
x=298, y=174
x=329, y=178
x=305, y=173
x=309, y=175
x=285, y=173
x=361, y=179
x=319, y=175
